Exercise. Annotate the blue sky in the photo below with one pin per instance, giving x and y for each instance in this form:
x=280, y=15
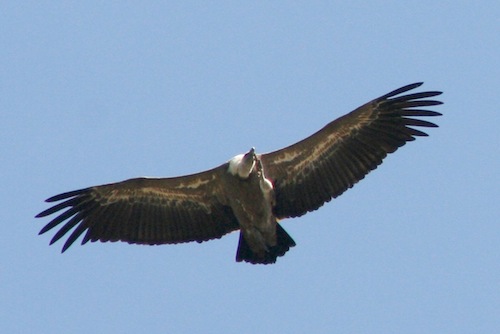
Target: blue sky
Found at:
x=92, y=93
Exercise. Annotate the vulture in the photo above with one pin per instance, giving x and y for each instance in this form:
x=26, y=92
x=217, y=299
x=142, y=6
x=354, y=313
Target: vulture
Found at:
x=251, y=192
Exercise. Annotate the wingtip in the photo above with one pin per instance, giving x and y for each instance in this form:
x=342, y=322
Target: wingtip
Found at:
x=46, y=228
x=413, y=85
x=65, y=195
x=63, y=249
x=401, y=90
x=52, y=241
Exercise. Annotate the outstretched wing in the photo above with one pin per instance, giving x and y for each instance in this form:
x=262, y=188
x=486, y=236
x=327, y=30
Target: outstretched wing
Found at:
x=145, y=211
x=321, y=167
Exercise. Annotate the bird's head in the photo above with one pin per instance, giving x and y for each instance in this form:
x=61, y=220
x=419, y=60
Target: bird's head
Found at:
x=243, y=164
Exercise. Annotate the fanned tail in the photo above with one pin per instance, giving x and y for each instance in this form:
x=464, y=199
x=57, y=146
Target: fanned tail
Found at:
x=283, y=243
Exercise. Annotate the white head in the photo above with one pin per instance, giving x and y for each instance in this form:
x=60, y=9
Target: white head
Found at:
x=242, y=164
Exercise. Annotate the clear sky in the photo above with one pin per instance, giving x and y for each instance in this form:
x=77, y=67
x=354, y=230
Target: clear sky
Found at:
x=93, y=92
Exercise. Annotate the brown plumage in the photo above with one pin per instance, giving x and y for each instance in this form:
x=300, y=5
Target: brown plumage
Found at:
x=251, y=191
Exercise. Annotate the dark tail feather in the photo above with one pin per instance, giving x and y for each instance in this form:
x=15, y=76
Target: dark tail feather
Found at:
x=283, y=244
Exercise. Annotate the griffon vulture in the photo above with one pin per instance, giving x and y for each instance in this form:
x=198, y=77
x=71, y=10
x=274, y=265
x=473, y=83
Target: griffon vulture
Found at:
x=251, y=192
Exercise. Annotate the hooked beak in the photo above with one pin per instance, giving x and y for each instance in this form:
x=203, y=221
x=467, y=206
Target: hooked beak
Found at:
x=248, y=161
x=250, y=155
x=251, y=152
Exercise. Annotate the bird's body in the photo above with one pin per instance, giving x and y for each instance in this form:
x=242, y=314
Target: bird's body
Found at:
x=251, y=192
x=251, y=197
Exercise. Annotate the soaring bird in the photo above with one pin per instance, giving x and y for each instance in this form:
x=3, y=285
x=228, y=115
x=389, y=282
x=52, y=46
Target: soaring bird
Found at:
x=251, y=192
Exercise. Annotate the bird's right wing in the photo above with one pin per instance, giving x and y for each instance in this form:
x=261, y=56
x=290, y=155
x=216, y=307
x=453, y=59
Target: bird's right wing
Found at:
x=145, y=211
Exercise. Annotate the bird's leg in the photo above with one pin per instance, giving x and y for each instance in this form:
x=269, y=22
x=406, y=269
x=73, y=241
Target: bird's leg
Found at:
x=265, y=184
x=260, y=169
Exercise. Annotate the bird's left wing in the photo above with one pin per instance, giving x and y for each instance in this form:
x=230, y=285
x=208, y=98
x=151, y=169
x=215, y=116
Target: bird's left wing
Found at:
x=145, y=211
x=309, y=173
